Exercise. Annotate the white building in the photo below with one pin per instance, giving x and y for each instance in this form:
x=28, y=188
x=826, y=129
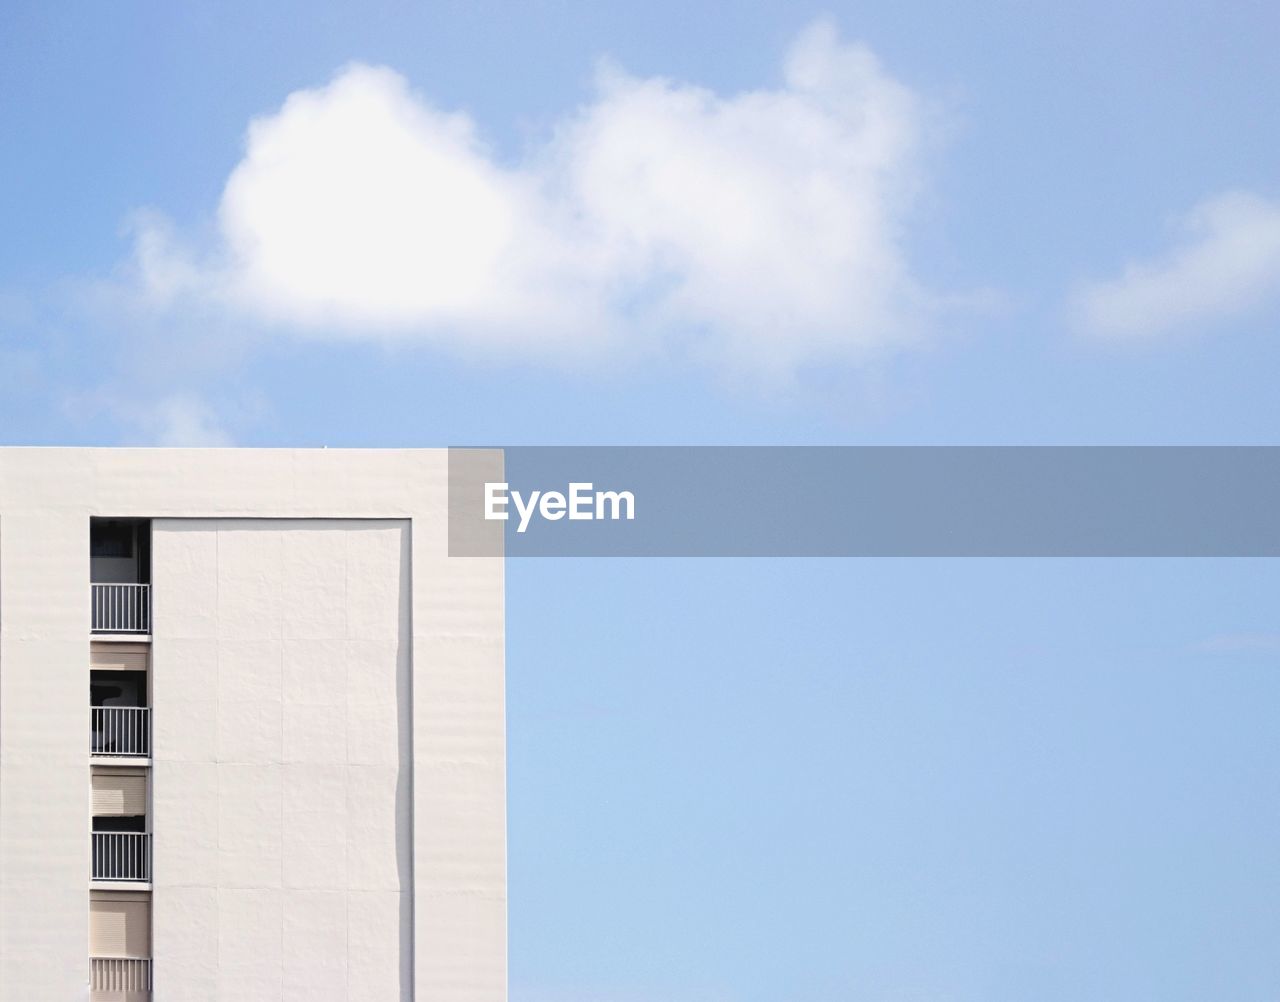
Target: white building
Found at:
x=251, y=730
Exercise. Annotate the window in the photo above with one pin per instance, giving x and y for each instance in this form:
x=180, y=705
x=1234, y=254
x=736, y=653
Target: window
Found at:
x=111, y=539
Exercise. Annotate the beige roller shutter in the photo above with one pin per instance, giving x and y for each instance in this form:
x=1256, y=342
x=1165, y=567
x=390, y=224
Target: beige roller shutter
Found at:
x=119, y=792
x=119, y=924
x=122, y=657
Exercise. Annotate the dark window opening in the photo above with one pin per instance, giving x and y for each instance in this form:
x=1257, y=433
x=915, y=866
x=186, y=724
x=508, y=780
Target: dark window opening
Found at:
x=105, y=823
x=120, y=550
x=111, y=538
x=117, y=688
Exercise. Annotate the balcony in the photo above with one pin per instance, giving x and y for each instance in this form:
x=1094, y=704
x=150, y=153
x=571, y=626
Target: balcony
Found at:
x=120, y=731
x=120, y=979
x=121, y=608
x=122, y=856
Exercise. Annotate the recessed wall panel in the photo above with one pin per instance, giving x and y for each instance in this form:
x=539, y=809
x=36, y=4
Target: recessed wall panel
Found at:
x=295, y=636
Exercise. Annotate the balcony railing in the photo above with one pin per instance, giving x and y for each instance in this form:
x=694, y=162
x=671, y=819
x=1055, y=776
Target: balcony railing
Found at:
x=122, y=856
x=120, y=977
x=120, y=730
x=121, y=608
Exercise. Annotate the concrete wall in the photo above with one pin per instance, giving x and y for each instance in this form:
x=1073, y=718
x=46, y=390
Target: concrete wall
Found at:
x=44, y=765
x=451, y=931
x=282, y=709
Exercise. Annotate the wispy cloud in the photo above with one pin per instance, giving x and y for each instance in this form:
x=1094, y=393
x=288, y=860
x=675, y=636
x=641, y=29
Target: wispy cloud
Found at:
x=181, y=418
x=1225, y=263
x=185, y=421
x=1243, y=643
x=760, y=231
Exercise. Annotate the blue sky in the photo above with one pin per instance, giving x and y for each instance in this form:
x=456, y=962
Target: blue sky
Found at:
x=755, y=223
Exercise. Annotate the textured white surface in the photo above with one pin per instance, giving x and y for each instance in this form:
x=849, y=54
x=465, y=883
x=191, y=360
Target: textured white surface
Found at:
x=310, y=772
x=428, y=887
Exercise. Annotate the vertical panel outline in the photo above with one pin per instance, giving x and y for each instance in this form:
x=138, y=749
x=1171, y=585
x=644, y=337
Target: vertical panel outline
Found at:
x=408, y=572
x=408, y=934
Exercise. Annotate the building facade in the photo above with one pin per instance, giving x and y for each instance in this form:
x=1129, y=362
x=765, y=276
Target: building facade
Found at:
x=252, y=738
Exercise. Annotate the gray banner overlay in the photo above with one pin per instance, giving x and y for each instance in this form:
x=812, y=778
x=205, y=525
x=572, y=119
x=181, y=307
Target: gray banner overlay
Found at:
x=867, y=502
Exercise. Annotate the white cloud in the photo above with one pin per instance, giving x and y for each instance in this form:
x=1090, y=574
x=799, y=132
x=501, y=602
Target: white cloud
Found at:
x=1227, y=263
x=763, y=230
x=1233, y=643
x=182, y=420
x=178, y=419
x=140, y=414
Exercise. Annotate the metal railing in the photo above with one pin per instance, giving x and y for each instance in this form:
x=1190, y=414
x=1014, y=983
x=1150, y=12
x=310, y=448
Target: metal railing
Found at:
x=121, y=608
x=131, y=975
x=120, y=730
x=122, y=856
